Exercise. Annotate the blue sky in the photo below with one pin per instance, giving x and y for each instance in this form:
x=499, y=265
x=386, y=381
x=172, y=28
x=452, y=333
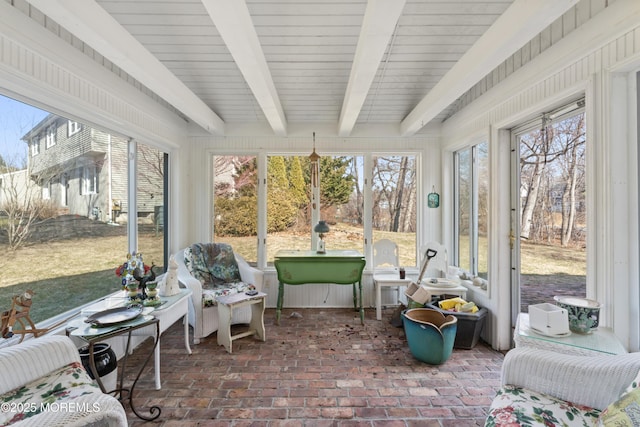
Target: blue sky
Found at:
x=16, y=119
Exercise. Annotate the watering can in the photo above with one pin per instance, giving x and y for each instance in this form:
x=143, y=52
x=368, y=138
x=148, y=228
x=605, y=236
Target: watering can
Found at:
x=430, y=334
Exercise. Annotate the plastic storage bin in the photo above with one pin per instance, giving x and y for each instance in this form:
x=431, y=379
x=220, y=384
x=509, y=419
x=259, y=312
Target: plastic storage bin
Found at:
x=470, y=325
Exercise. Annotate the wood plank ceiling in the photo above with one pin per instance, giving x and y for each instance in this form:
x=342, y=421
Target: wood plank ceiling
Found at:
x=345, y=63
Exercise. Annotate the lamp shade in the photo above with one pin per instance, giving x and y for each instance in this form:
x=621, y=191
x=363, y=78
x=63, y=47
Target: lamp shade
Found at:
x=321, y=227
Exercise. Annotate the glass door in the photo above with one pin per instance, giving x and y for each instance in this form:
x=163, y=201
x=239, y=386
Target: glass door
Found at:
x=548, y=230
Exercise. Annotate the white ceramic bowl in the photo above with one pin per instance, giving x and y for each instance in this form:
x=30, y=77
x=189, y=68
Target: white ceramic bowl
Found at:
x=583, y=313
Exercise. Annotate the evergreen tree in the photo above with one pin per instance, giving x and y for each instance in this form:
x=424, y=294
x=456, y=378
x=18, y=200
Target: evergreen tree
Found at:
x=336, y=183
x=297, y=184
x=282, y=209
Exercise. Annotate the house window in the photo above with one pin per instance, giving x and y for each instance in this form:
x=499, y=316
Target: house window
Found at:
x=471, y=186
x=35, y=146
x=50, y=138
x=89, y=180
x=46, y=190
x=73, y=127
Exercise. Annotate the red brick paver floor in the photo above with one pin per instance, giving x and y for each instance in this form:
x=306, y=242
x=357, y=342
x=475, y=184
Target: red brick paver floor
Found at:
x=321, y=369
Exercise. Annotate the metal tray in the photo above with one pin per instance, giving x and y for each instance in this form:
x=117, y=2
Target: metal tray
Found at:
x=113, y=316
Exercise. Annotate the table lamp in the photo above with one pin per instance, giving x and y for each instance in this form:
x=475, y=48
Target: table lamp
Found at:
x=321, y=227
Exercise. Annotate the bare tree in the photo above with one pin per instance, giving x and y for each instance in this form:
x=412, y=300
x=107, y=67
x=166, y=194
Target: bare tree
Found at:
x=552, y=164
x=572, y=175
x=21, y=204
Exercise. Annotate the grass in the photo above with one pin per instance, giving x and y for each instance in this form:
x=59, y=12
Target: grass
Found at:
x=67, y=273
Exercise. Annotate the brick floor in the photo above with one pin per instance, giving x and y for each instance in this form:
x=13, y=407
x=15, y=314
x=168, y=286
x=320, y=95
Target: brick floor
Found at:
x=321, y=369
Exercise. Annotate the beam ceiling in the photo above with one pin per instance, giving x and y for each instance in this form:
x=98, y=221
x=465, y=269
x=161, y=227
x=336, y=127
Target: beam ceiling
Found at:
x=338, y=63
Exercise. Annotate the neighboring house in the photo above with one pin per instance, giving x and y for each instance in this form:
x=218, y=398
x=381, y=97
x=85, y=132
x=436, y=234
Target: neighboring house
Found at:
x=83, y=170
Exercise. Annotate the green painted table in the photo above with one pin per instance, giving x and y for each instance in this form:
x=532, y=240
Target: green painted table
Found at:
x=302, y=267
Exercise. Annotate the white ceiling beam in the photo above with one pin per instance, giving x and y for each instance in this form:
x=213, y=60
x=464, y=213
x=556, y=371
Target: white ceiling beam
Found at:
x=233, y=21
x=93, y=25
x=378, y=26
x=516, y=26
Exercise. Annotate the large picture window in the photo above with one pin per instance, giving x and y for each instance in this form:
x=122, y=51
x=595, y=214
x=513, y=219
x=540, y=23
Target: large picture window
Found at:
x=73, y=254
x=289, y=203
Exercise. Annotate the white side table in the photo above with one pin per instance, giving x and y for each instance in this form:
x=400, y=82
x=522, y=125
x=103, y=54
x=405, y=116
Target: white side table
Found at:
x=177, y=306
x=599, y=342
x=381, y=280
x=173, y=308
x=227, y=304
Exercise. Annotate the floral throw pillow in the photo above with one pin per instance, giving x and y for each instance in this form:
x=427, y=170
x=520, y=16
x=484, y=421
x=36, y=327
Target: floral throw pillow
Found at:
x=624, y=412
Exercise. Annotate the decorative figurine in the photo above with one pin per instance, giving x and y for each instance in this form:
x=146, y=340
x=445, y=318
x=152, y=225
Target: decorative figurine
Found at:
x=169, y=285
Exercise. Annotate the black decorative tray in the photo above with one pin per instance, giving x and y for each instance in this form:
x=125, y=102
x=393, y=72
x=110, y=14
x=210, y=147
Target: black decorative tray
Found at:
x=113, y=316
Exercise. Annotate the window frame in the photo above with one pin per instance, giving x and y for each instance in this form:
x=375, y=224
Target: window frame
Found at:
x=89, y=182
x=73, y=127
x=474, y=194
x=35, y=146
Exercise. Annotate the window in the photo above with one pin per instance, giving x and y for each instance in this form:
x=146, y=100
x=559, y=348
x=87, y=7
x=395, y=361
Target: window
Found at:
x=235, y=209
x=50, y=137
x=73, y=127
x=471, y=187
x=395, y=204
x=87, y=270
x=288, y=213
x=89, y=181
x=46, y=190
x=342, y=201
x=35, y=146
x=289, y=205
x=151, y=205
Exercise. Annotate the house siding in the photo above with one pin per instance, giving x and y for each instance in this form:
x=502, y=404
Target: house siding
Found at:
x=66, y=160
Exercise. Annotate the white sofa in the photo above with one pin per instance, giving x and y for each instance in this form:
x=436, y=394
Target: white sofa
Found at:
x=546, y=388
x=204, y=320
x=43, y=383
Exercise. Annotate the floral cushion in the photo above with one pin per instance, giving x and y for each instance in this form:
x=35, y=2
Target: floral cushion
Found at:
x=67, y=383
x=626, y=410
x=212, y=263
x=516, y=406
x=215, y=266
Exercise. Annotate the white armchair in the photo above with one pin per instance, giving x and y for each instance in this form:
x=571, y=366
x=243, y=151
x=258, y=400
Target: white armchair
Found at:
x=46, y=374
x=204, y=319
x=540, y=382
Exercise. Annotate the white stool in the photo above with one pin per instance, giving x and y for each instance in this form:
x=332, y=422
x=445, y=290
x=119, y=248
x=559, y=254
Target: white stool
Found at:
x=226, y=304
